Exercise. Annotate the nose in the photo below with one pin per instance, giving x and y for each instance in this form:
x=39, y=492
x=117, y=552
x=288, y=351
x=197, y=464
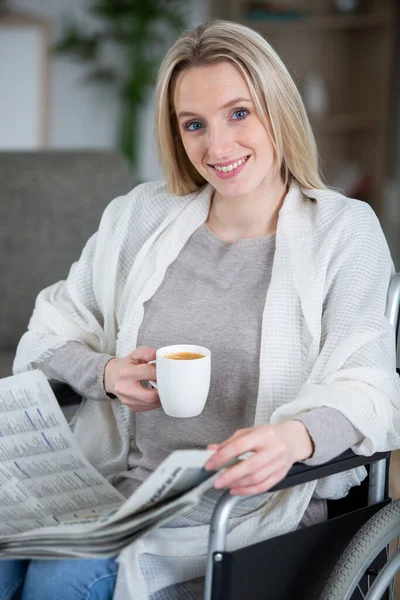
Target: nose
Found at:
x=220, y=143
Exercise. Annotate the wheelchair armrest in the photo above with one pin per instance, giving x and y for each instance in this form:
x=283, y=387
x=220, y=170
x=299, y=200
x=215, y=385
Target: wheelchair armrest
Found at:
x=297, y=475
x=301, y=473
x=65, y=395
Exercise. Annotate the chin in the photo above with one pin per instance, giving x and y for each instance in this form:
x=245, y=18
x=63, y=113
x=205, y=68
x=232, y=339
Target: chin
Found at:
x=233, y=191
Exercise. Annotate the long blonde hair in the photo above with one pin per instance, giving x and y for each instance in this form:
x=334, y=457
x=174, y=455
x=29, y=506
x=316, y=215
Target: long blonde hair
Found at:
x=274, y=93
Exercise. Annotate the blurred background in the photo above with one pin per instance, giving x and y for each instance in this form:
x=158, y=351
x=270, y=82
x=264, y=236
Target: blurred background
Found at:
x=79, y=74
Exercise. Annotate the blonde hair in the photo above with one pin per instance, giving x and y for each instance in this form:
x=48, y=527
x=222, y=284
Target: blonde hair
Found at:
x=274, y=93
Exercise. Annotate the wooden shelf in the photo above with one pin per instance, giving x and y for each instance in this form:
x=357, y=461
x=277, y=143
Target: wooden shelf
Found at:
x=345, y=123
x=354, y=56
x=15, y=19
x=319, y=24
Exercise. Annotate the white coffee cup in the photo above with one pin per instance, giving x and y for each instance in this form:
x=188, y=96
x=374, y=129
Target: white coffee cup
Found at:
x=182, y=384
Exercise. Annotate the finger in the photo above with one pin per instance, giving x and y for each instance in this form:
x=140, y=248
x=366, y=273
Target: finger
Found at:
x=246, y=468
x=263, y=487
x=134, y=391
x=258, y=477
x=141, y=400
x=144, y=353
x=142, y=372
x=135, y=407
x=246, y=441
x=238, y=434
x=212, y=462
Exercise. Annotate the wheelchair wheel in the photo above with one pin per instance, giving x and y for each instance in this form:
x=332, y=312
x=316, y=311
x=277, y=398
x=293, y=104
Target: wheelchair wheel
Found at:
x=367, y=568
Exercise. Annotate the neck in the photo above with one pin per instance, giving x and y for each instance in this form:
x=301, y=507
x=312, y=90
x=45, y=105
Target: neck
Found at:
x=246, y=217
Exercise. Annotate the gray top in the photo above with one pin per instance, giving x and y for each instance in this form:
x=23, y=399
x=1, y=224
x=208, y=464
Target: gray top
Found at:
x=213, y=295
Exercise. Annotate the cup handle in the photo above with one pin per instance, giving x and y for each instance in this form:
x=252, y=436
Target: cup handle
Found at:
x=153, y=383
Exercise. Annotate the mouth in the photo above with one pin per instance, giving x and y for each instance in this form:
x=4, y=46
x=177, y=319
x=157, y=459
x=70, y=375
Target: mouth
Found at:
x=230, y=169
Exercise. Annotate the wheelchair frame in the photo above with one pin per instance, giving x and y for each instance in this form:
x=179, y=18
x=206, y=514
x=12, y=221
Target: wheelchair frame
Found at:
x=224, y=578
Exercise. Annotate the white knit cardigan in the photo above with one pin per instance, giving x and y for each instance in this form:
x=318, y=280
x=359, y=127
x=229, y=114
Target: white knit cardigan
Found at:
x=325, y=341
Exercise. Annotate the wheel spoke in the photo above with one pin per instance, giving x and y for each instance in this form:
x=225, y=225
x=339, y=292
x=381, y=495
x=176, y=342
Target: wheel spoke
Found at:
x=360, y=590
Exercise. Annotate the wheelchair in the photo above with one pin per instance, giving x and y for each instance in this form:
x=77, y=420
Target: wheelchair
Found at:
x=354, y=555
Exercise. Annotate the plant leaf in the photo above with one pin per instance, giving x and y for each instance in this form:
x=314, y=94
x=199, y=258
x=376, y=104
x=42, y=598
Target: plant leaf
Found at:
x=141, y=29
x=103, y=75
x=80, y=44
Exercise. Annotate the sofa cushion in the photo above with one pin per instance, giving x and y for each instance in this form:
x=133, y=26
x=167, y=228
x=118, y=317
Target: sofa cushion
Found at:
x=50, y=204
x=6, y=361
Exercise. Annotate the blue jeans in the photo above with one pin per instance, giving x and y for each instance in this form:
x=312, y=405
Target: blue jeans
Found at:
x=59, y=579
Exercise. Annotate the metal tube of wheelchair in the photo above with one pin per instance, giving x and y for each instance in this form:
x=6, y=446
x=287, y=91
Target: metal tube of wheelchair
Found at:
x=217, y=536
x=393, y=301
x=377, y=473
x=377, y=482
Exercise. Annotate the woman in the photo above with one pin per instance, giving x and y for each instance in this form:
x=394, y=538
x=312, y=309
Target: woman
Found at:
x=244, y=251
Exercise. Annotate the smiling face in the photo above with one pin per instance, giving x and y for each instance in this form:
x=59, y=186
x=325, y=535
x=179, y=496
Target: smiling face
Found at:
x=221, y=132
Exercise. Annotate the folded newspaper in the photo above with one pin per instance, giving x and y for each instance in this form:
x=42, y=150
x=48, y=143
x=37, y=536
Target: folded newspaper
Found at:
x=54, y=504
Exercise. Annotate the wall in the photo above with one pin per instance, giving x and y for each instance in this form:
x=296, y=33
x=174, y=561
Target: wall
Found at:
x=83, y=115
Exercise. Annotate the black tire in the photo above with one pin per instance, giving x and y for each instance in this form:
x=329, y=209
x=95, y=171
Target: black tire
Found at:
x=367, y=544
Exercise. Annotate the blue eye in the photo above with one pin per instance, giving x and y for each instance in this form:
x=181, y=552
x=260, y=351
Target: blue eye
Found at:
x=240, y=114
x=193, y=126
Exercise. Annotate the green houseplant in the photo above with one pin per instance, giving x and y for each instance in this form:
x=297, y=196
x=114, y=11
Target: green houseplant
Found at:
x=141, y=29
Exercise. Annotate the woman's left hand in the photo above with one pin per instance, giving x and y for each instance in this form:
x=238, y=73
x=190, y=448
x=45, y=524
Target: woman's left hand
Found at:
x=275, y=449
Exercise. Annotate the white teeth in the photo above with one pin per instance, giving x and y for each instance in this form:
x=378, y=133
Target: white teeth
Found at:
x=232, y=167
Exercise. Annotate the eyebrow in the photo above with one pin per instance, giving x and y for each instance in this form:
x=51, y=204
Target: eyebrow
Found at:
x=185, y=113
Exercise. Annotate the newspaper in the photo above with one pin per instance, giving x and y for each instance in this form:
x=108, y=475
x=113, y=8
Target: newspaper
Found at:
x=53, y=503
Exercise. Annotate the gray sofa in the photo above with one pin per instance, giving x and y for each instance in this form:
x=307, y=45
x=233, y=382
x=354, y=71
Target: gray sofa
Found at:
x=50, y=203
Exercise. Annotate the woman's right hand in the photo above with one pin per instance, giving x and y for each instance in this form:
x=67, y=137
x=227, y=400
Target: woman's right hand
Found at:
x=122, y=377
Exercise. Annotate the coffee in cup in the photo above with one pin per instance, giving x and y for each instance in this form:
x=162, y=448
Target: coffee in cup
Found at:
x=183, y=356
x=183, y=379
